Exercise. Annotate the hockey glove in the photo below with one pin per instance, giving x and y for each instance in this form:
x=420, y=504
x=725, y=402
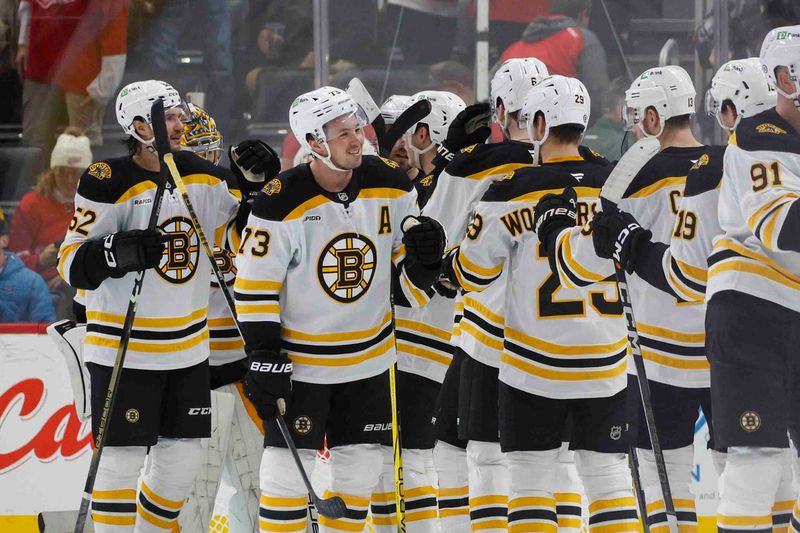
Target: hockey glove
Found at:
x=132, y=251
x=447, y=274
x=424, y=239
x=268, y=379
x=553, y=213
x=471, y=126
x=254, y=161
x=616, y=235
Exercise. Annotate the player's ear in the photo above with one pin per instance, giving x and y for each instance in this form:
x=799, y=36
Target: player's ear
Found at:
x=784, y=80
x=142, y=128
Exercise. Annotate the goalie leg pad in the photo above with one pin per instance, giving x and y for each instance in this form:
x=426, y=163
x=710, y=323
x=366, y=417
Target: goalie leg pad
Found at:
x=488, y=486
x=451, y=469
x=173, y=467
x=531, y=504
x=68, y=338
x=679, y=463
x=607, y=481
x=283, y=503
x=114, y=495
x=748, y=487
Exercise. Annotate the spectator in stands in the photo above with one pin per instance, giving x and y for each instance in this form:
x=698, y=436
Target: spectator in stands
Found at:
x=73, y=57
x=454, y=77
x=41, y=220
x=606, y=134
x=23, y=293
x=10, y=86
x=562, y=41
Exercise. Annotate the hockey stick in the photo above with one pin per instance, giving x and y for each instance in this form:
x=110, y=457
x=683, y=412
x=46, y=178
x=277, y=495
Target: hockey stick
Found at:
x=612, y=191
x=641, y=500
x=415, y=113
x=159, y=123
x=333, y=507
x=397, y=449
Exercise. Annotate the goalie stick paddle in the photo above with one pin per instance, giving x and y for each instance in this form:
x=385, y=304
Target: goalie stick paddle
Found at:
x=611, y=193
x=415, y=113
x=159, y=124
x=332, y=507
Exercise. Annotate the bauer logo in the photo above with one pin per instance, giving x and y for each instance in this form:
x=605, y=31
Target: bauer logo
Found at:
x=378, y=427
x=346, y=267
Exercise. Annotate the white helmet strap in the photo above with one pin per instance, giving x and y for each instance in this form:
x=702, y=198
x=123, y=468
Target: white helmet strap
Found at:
x=326, y=159
x=415, y=152
x=795, y=96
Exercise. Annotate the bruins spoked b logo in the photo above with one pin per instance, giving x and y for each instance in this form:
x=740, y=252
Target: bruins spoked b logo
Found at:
x=346, y=267
x=181, y=252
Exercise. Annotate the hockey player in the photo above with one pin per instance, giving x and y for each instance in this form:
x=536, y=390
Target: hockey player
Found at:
x=478, y=330
x=234, y=451
x=423, y=346
x=318, y=259
x=391, y=109
x=564, y=349
x=753, y=315
x=671, y=329
x=163, y=401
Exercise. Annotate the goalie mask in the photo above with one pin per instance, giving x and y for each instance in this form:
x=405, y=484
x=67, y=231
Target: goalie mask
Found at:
x=669, y=90
x=743, y=85
x=200, y=135
x=512, y=82
x=312, y=111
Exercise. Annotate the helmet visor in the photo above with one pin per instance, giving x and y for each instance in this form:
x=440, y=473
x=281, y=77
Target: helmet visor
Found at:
x=630, y=117
x=713, y=104
x=355, y=120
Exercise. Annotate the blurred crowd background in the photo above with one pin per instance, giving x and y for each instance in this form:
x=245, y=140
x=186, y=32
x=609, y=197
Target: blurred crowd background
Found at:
x=63, y=61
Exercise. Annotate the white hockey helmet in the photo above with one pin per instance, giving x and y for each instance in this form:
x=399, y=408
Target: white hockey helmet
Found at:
x=311, y=111
x=669, y=90
x=561, y=100
x=135, y=100
x=781, y=48
x=393, y=107
x=743, y=84
x=445, y=106
x=511, y=83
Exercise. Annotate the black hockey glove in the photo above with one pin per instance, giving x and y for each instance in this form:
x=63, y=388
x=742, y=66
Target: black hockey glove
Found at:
x=471, y=126
x=616, y=235
x=254, y=161
x=553, y=213
x=132, y=251
x=424, y=240
x=268, y=379
x=447, y=274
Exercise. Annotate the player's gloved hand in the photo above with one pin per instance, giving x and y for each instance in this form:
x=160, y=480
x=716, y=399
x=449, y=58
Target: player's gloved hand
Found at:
x=424, y=239
x=471, y=126
x=447, y=274
x=445, y=289
x=254, y=161
x=268, y=379
x=133, y=250
x=553, y=213
x=617, y=235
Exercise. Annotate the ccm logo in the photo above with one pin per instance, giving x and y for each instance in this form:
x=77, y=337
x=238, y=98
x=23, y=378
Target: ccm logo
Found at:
x=275, y=368
x=199, y=411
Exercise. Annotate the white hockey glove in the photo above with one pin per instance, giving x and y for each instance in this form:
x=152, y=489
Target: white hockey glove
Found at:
x=68, y=338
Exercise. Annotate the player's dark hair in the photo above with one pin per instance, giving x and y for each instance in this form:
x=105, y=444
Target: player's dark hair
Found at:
x=570, y=8
x=678, y=123
x=131, y=144
x=567, y=133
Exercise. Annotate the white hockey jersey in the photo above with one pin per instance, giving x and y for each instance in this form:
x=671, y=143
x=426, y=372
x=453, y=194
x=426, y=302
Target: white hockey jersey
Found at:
x=320, y=267
x=759, y=213
x=226, y=344
x=558, y=343
x=170, y=328
x=671, y=330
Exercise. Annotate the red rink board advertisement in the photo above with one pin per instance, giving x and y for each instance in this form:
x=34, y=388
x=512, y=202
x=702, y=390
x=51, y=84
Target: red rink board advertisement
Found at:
x=44, y=447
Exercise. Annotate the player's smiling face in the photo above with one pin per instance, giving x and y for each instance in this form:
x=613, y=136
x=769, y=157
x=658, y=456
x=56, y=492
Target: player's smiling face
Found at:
x=345, y=136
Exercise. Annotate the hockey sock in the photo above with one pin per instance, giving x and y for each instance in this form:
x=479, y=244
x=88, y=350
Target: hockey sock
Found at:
x=782, y=510
x=531, y=504
x=567, y=492
x=679, y=466
x=747, y=489
x=488, y=486
x=419, y=495
x=451, y=468
x=173, y=465
x=608, y=484
x=114, y=495
x=284, y=500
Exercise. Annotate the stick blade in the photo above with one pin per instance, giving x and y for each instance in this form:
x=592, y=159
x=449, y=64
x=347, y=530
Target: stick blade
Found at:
x=415, y=113
x=333, y=508
x=627, y=167
x=159, y=125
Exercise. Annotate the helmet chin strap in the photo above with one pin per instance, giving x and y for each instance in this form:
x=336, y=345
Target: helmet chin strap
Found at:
x=326, y=160
x=148, y=145
x=795, y=96
x=414, y=153
x=537, y=145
